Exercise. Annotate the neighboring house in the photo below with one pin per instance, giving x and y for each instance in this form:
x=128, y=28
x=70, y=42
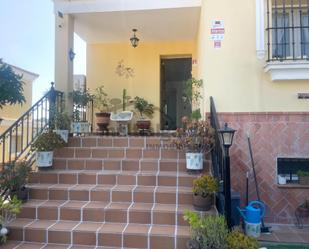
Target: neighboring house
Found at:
x=10, y=113
x=252, y=56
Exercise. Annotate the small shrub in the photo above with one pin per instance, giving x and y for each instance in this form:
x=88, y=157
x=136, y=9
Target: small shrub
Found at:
x=205, y=185
x=237, y=240
x=302, y=173
x=210, y=231
x=47, y=141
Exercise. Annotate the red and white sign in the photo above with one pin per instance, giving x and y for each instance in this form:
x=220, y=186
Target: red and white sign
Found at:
x=217, y=44
x=217, y=30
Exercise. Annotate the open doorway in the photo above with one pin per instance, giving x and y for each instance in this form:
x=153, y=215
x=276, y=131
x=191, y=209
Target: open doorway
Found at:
x=174, y=73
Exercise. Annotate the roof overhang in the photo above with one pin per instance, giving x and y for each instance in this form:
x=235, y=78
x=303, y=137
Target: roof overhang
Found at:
x=112, y=21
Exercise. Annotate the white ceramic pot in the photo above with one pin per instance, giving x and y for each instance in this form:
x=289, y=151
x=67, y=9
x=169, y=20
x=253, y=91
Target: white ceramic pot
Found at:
x=64, y=134
x=194, y=161
x=80, y=127
x=44, y=158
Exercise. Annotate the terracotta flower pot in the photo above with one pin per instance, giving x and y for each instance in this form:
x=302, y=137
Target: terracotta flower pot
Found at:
x=103, y=119
x=201, y=203
x=143, y=124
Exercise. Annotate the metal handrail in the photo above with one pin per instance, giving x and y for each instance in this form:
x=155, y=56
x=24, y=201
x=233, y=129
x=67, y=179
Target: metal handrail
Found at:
x=15, y=142
x=218, y=156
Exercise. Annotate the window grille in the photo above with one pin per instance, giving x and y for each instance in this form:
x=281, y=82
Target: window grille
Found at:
x=288, y=30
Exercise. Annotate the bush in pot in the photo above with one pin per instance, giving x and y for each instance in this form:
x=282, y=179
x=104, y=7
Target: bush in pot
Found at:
x=62, y=125
x=102, y=103
x=44, y=146
x=303, y=177
x=9, y=208
x=144, y=108
x=196, y=138
x=204, y=188
x=14, y=178
x=209, y=231
x=238, y=240
x=80, y=102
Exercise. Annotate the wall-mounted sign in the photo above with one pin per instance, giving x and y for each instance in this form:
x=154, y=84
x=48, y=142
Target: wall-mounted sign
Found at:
x=217, y=44
x=217, y=30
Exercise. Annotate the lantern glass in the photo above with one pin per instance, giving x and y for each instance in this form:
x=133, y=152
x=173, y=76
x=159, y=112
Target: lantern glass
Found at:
x=227, y=135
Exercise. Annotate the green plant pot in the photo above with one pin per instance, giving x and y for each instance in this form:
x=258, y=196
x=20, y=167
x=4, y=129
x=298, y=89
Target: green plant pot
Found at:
x=303, y=180
x=201, y=203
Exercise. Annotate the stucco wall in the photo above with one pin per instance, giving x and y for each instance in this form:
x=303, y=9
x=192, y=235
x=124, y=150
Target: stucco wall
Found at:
x=102, y=60
x=234, y=75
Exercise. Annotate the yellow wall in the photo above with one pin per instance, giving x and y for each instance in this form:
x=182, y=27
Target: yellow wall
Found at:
x=234, y=75
x=102, y=60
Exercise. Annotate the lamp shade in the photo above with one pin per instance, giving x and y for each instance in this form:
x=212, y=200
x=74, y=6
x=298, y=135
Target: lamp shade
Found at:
x=227, y=135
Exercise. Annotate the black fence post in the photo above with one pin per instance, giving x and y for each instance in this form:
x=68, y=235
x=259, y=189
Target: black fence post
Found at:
x=52, y=106
x=227, y=189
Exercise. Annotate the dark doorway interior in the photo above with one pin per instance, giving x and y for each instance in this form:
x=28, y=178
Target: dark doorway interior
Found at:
x=174, y=73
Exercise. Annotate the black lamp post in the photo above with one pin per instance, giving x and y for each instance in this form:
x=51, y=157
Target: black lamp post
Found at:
x=134, y=40
x=227, y=135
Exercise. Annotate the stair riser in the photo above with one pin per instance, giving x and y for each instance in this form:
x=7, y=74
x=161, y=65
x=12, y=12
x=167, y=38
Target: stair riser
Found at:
x=106, y=196
x=85, y=238
x=118, y=153
x=135, y=142
x=158, y=217
x=112, y=179
x=124, y=165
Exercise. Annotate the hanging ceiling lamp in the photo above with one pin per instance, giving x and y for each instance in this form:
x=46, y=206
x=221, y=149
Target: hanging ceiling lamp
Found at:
x=134, y=40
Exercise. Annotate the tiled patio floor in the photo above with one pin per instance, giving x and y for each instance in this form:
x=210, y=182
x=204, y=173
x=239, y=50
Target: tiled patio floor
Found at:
x=286, y=234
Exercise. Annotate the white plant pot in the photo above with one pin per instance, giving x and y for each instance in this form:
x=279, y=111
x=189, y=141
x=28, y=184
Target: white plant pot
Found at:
x=80, y=127
x=44, y=158
x=194, y=161
x=64, y=134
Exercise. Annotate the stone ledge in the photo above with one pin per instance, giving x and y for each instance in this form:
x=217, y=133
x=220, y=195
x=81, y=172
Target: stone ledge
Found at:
x=280, y=71
x=293, y=186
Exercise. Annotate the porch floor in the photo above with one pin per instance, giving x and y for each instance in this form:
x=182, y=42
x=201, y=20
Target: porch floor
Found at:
x=286, y=234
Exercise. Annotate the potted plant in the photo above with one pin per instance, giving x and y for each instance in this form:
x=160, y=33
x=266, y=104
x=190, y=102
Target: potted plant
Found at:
x=9, y=208
x=303, y=177
x=80, y=102
x=196, y=138
x=44, y=146
x=62, y=124
x=14, y=178
x=102, y=103
x=192, y=96
x=204, y=188
x=144, y=108
x=238, y=240
x=207, y=231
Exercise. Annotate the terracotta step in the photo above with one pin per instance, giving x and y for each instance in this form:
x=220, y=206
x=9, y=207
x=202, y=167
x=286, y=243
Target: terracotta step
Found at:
x=146, y=178
x=119, y=153
x=116, y=235
x=115, y=193
x=122, y=164
x=139, y=213
x=122, y=142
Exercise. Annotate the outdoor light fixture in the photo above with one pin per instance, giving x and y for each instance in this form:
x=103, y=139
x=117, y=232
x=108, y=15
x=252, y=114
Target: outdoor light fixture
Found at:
x=71, y=54
x=134, y=40
x=227, y=135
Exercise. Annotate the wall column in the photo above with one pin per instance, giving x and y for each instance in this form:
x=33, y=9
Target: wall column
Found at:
x=64, y=41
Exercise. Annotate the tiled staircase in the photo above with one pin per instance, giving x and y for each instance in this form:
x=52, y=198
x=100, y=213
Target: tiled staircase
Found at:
x=108, y=192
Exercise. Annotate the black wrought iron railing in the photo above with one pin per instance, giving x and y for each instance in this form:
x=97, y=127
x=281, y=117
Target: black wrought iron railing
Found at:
x=288, y=30
x=218, y=158
x=16, y=141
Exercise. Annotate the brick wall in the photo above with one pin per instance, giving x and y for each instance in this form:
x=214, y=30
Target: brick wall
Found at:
x=272, y=135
